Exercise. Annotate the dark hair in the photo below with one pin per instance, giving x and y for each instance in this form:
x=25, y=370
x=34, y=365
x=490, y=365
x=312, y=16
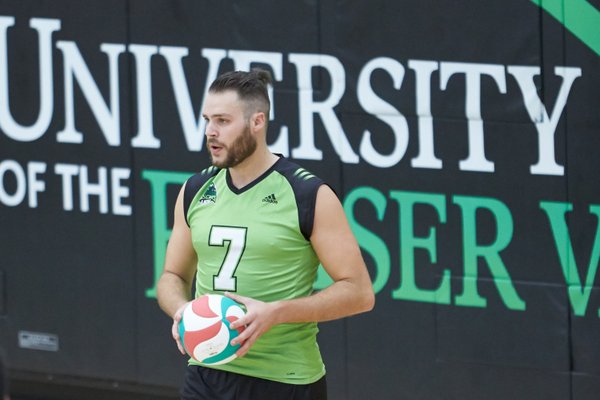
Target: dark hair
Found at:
x=250, y=86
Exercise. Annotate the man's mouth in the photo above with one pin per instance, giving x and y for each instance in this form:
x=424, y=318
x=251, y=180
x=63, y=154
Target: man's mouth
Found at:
x=214, y=146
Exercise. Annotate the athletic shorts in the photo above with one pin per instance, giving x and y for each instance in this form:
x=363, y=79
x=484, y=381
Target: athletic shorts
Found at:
x=211, y=384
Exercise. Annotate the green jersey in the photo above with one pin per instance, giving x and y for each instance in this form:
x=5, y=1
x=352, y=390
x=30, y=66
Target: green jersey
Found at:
x=254, y=241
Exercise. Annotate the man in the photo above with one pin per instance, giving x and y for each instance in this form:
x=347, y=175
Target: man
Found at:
x=255, y=227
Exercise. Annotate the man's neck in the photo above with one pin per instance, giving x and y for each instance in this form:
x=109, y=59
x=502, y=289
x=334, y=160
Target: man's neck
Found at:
x=252, y=167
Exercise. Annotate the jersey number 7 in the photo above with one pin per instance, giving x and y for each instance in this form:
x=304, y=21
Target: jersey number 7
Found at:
x=235, y=239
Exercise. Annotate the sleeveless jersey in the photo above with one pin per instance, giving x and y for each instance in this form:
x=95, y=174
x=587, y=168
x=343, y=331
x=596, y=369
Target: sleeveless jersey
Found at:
x=254, y=241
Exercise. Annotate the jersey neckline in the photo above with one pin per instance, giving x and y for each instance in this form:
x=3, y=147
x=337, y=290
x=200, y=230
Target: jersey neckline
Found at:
x=255, y=182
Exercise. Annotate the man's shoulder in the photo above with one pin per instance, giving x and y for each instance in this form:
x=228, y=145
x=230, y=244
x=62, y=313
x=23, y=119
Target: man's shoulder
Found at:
x=305, y=186
x=195, y=183
x=297, y=175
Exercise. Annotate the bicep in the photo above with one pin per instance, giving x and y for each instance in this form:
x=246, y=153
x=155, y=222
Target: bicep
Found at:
x=334, y=241
x=180, y=258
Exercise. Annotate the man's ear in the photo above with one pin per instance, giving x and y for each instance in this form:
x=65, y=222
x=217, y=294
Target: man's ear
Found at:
x=258, y=121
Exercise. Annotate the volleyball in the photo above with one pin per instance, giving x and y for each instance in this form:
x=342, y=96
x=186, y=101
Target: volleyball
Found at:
x=204, y=329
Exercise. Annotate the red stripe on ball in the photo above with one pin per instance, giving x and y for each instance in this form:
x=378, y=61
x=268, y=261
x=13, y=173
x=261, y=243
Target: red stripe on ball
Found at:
x=200, y=307
x=192, y=338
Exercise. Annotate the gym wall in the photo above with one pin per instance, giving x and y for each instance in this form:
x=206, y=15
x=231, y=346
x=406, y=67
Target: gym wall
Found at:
x=461, y=136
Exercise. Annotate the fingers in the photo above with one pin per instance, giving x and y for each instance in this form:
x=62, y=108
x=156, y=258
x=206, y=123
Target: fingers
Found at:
x=175, y=328
x=236, y=297
x=246, y=318
x=248, y=335
x=240, y=323
x=246, y=340
x=242, y=351
x=257, y=320
x=242, y=337
x=176, y=337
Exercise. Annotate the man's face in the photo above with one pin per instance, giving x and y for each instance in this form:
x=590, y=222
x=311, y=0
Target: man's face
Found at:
x=229, y=139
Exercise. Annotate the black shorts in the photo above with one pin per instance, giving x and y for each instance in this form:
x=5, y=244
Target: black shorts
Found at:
x=211, y=384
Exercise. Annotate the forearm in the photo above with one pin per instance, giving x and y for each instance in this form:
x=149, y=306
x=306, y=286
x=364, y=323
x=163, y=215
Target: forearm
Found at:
x=342, y=299
x=172, y=292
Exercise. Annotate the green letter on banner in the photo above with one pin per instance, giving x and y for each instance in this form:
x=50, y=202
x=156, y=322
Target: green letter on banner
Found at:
x=579, y=294
x=367, y=240
x=160, y=231
x=491, y=253
x=408, y=289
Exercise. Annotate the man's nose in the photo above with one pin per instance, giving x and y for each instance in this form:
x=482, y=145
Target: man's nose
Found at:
x=210, y=131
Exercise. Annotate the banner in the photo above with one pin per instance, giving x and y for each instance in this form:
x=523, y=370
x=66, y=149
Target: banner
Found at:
x=461, y=138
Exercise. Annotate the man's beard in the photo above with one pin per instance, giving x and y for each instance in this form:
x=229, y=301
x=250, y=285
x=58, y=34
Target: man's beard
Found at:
x=238, y=151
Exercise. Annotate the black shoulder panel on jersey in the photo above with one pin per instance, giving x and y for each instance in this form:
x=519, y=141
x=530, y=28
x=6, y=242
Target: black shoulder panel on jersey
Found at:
x=305, y=186
x=193, y=184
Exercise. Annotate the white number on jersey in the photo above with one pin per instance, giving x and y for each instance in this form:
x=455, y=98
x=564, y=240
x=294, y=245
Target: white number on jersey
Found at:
x=235, y=238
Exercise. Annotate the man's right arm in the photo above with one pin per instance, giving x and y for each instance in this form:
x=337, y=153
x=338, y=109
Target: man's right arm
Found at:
x=174, y=287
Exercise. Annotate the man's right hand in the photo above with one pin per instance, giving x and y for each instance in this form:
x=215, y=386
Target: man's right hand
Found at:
x=175, y=328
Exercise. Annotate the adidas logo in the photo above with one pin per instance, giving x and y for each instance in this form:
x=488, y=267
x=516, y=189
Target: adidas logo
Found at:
x=270, y=199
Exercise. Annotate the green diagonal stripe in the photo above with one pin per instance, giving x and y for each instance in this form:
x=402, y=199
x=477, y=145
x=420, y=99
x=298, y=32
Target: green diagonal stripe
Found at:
x=578, y=16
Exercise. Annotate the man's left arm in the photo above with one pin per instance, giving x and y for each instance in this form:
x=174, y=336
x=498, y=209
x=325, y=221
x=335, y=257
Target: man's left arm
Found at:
x=351, y=292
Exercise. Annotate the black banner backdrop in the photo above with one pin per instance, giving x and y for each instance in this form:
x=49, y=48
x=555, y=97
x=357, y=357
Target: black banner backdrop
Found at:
x=461, y=137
